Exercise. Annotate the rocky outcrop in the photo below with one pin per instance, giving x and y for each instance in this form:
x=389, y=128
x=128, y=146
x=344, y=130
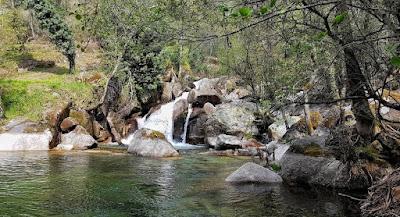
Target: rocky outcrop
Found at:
x=68, y=124
x=150, y=143
x=23, y=135
x=166, y=94
x=83, y=118
x=54, y=118
x=196, y=130
x=202, y=96
x=235, y=118
x=253, y=173
x=78, y=139
x=278, y=129
x=223, y=141
x=319, y=171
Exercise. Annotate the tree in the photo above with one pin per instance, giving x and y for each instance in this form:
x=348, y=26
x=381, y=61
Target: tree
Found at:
x=58, y=30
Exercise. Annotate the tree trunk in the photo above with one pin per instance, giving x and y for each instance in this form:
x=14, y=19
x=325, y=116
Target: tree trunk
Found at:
x=71, y=60
x=307, y=115
x=356, y=84
x=356, y=87
x=31, y=26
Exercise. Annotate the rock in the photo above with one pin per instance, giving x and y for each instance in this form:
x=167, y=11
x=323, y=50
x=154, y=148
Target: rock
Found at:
x=82, y=118
x=206, y=83
x=24, y=135
x=209, y=108
x=278, y=129
x=319, y=171
x=169, y=75
x=196, y=130
x=197, y=112
x=253, y=173
x=100, y=134
x=235, y=118
x=200, y=97
x=277, y=150
x=54, y=118
x=177, y=89
x=223, y=141
x=78, y=139
x=68, y=124
x=180, y=108
x=237, y=94
x=307, y=140
x=150, y=143
x=166, y=95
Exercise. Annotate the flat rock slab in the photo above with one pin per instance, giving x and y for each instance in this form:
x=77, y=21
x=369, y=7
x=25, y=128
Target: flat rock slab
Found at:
x=253, y=173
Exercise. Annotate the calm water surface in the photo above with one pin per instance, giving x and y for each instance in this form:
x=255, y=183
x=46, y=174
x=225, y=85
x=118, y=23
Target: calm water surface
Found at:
x=93, y=184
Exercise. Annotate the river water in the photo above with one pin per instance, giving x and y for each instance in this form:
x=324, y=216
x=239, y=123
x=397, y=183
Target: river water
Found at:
x=100, y=184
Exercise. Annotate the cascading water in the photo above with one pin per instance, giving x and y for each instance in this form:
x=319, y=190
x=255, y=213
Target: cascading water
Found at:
x=162, y=121
x=185, y=128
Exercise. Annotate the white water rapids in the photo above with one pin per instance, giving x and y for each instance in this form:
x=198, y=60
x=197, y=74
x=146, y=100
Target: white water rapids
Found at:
x=162, y=121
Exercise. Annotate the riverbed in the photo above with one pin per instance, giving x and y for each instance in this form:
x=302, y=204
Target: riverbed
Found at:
x=117, y=184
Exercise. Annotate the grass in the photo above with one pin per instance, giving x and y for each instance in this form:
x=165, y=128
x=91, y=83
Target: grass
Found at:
x=29, y=94
x=30, y=98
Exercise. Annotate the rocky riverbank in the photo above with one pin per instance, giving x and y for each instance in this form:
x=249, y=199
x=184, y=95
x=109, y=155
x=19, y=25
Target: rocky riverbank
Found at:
x=221, y=114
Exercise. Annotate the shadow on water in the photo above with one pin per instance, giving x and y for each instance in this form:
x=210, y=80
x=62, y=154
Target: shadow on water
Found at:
x=84, y=184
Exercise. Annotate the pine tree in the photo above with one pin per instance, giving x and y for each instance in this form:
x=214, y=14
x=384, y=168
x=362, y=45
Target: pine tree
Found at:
x=58, y=30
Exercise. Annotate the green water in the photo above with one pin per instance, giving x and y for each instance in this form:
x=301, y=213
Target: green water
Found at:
x=92, y=184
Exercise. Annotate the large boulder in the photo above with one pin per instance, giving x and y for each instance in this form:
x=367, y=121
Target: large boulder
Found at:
x=150, y=143
x=223, y=141
x=68, y=124
x=319, y=171
x=237, y=94
x=166, y=94
x=196, y=130
x=235, y=118
x=24, y=135
x=201, y=96
x=83, y=118
x=278, y=129
x=253, y=173
x=78, y=139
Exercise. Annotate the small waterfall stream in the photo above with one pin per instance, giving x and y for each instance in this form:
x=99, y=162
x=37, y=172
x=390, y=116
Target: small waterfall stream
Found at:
x=185, y=129
x=162, y=121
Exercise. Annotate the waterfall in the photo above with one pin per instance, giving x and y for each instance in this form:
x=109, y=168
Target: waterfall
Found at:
x=162, y=121
x=185, y=129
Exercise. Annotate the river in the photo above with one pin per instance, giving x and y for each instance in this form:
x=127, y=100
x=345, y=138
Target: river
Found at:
x=112, y=184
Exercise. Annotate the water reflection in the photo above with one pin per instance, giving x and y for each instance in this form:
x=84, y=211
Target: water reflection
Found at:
x=84, y=184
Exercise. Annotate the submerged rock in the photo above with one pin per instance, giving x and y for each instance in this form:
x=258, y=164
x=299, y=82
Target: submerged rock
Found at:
x=253, y=173
x=151, y=143
x=78, y=139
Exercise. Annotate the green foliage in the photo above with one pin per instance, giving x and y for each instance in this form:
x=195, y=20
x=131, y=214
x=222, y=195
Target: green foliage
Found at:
x=276, y=167
x=273, y=3
x=395, y=61
x=339, y=18
x=58, y=30
x=264, y=9
x=13, y=35
x=246, y=11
